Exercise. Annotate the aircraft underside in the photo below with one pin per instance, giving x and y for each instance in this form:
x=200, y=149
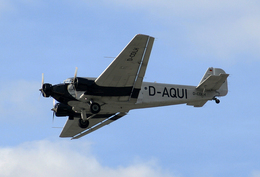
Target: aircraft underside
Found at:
x=91, y=103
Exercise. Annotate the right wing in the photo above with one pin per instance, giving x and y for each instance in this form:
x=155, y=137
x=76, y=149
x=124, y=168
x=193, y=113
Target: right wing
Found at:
x=128, y=68
x=72, y=129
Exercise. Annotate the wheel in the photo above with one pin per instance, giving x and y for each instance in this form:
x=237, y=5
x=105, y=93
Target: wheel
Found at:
x=217, y=101
x=95, y=108
x=83, y=124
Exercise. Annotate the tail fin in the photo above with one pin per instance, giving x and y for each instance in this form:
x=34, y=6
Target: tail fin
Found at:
x=214, y=79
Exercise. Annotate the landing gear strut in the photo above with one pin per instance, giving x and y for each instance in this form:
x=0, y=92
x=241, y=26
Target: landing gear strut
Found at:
x=84, y=120
x=216, y=100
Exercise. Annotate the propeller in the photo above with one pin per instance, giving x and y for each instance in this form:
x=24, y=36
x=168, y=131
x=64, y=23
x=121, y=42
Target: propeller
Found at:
x=54, y=109
x=42, y=79
x=76, y=72
x=53, y=102
x=41, y=89
x=74, y=81
x=45, y=88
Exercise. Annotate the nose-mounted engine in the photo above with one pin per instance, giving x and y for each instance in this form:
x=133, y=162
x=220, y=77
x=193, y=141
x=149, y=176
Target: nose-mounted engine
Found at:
x=46, y=90
x=63, y=94
x=59, y=91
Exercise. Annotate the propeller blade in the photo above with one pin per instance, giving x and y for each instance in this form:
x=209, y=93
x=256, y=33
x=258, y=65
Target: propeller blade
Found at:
x=41, y=89
x=40, y=95
x=53, y=117
x=75, y=75
x=42, y=79
x=76, y=72
x=54, y=102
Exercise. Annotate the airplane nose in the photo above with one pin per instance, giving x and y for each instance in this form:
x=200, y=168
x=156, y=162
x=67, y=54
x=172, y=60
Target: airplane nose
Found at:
x=46, y=90
x=59, y=89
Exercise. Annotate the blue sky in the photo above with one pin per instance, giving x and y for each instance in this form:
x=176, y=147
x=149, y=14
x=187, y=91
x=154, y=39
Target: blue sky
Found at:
x=54, y=37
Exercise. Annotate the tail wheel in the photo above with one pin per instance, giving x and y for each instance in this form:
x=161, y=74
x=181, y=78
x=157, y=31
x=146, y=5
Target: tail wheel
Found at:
x=95, y=108
x=216, y=100
x=83, y=123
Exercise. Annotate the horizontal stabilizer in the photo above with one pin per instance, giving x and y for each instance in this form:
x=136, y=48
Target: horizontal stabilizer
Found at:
x=212, y=82
x=197, y=103
x=213, y=79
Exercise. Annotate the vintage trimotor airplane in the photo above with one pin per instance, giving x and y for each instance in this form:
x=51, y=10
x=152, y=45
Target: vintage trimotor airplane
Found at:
x=91, y=103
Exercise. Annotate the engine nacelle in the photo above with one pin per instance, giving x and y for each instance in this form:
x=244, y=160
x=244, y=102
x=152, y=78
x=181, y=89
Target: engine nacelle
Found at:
x=62, y=110
x=82, y=84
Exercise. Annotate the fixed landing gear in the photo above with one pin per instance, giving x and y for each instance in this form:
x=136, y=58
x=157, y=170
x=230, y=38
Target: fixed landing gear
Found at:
x=83, y=123
x=94, y=108
x=216, y=100
x=84, y=120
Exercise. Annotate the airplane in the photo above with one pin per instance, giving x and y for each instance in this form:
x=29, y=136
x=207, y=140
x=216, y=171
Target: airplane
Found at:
x=91, y=103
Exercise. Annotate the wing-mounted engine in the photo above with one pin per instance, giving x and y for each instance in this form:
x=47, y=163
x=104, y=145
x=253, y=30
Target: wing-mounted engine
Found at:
x=89, y=87
x=62, y=110
x=83, y=84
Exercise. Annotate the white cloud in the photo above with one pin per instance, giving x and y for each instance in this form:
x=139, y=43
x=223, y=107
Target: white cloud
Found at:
x=228, y=41
x=63, y=158
x=10, y=6
x=255, y=174
x=223, y=29
x=190, y=8
x=217, y=29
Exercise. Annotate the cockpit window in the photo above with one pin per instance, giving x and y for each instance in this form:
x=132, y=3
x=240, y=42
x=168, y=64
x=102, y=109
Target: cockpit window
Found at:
x=68, y=81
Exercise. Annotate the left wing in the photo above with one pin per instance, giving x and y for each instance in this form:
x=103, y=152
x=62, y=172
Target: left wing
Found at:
x=72, y=129
x=128, y=68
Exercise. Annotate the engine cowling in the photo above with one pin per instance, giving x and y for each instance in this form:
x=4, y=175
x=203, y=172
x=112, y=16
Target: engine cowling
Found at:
x=62, y=110
x=46, y=90
x=82, y=84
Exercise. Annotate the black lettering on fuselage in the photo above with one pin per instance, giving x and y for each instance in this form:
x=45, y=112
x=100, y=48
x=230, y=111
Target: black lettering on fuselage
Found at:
x=169, y=92
x=173, y=93
x=151, y=91
x=182, y=93
x=165, y=92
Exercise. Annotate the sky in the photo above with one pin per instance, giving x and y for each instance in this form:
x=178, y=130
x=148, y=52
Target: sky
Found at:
x=55, y=37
